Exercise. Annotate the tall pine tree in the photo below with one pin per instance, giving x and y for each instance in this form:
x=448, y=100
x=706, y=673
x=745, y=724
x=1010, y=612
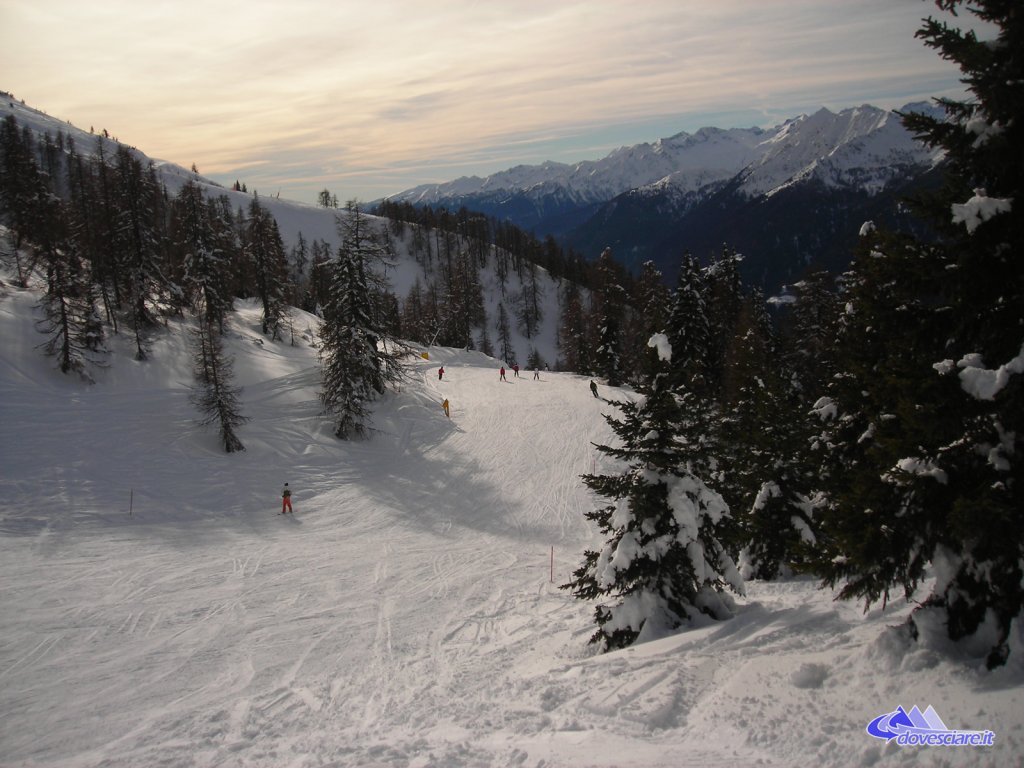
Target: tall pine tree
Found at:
x=610, y=308
x=194, y=228
x=266, y=255
x=356, y=366
x=663, y=560
x=688, y=330
x=215, y=394
x=925, y=418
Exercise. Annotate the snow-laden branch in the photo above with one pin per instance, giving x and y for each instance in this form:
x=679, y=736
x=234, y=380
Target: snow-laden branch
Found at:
x=985, y=383
x=979, y=209
x=825, y=408
x=983, y=129
x=923, y=468
x=660, y=342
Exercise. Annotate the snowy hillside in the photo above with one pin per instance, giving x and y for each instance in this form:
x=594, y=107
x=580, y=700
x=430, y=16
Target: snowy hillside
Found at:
x=320, y=224
x=157, y=610
x=292, y=217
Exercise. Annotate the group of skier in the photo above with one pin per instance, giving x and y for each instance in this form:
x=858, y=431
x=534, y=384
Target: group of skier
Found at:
x=515, y=373
x=501, y=377
x=286, y=492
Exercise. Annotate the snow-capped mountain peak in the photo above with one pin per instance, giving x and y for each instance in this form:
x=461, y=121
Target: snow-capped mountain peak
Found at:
x=862, y=148
x=848, y=148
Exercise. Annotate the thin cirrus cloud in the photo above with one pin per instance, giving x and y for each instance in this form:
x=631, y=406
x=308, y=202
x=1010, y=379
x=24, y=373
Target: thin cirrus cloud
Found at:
x=371, y=98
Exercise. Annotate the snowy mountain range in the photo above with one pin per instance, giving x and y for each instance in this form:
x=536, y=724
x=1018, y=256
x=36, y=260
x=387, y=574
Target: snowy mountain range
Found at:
x=644, y=201
x=785, y=197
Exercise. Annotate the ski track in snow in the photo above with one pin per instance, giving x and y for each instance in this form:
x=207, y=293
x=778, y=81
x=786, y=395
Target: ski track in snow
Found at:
x=404, y=616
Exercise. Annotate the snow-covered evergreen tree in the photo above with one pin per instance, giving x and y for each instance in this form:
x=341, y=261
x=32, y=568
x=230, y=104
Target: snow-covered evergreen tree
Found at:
x=21, y=185
x=215, y=394
x=762, y=434
x=265, y=251
x=505, y=349
x=414, y=316
x=648, y=316
x=573, y=337
x=687, y=328
x=975, y=442
x=86, y=216
x=770, y=428
x=663, y=561
x=723, y=297
x=748, y=408
x=373, y=304
x=611, y=304
x=205, y=266
x=350, y=373
x=809, y=342
x=319, y=278
x=465, y=305
x=356, y=366
x=925, y=430
x=297, y=277
x=139, y=240
x=72, y=326
x=876, y=407
x=528, y=302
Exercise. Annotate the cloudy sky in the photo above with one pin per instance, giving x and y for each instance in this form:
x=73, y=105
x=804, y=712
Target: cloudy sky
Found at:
x=368, y=98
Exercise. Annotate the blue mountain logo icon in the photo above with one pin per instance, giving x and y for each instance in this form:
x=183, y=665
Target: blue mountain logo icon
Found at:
x=917, y=728
x=893, y=724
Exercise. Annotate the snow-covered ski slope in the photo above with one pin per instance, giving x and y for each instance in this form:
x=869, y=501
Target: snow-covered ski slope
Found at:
x=405, y=616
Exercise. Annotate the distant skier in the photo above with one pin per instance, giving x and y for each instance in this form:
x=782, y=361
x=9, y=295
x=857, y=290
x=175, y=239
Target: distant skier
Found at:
x=515, y=370
x=445, y=406
x=536, y=373
x=286, y=500
x=440, y=373
x=501, y=374
x=593, y=387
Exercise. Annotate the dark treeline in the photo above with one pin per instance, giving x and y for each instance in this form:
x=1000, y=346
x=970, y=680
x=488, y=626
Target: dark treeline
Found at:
x=517, y=245
x=605, y=314
x=447, y=305
x=110, y=236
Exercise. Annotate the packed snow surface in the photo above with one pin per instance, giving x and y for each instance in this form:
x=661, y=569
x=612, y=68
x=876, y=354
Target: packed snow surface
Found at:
x=157, y=610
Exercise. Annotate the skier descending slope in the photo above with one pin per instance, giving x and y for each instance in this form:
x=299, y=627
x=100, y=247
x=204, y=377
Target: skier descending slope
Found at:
x=286, y=499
